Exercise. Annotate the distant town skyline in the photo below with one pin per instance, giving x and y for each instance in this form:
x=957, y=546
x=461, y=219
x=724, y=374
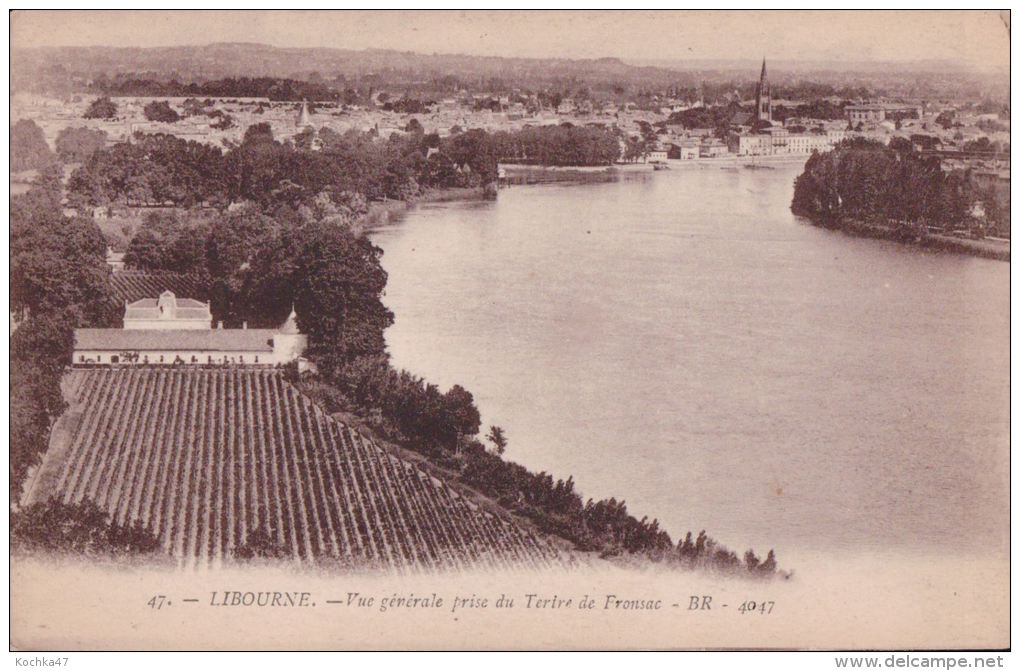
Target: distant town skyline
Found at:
x=975, y=38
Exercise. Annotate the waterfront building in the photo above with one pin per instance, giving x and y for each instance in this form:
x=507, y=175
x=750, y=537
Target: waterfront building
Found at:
x=877, y=113
x=836, y=135
x=712, y=148
x=805, y=143
x=778, y=141
x=658, y=156
x=750, y=144
x=689, y=149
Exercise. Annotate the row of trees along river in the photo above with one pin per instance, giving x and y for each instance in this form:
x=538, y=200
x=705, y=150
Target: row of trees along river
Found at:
x=895, y=189
x=290, y=237
x=165, y=170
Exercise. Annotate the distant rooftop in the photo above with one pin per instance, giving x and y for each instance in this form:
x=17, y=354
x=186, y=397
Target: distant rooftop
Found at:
x=880, y=106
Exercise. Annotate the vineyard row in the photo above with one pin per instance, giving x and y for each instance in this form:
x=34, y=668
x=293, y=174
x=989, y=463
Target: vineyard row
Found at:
x=213, y=461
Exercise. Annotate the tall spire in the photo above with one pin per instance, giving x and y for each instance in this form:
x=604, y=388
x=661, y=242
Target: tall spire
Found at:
x=763, y=96
x=303, y=119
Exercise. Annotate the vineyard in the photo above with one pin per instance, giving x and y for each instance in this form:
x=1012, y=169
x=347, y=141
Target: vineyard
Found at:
x=217, y=462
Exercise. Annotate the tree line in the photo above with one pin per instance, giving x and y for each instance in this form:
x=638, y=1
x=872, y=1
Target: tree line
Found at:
x=59, y=281
x=866, y=181
x=161, y=169
x=30, y=151
x=79, y=529
x=273, y=88
x=560, y=145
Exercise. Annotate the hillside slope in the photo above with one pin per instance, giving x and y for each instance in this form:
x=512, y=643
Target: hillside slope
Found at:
x=219, y=460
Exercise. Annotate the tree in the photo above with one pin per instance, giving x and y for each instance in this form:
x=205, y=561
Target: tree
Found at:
x=76, y=145
x=165, y=243
x=194, y=106
x=101, y=108
x=151, y=169
x=338, y=283
x=460, y=413
x=40, y=349
x=257, y=134
x=160, y=111
x=223, y=121
x=946, y=119
x=473, y=153
x=901, y=145
x=80, y=528
x=237, y=253
x=414, y=126
x=863, y=180
x=56, y=261
x=305, y=139
x=28, y=425
x=29, y=150
x=498, y=438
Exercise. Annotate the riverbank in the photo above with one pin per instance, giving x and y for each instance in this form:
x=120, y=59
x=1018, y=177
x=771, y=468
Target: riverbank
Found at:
x=380, y=212
x=519, y=174
x=987, y=249
x=732, y=161
x=516, y=174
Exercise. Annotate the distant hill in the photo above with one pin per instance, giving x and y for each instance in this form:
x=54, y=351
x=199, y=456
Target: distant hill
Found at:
x=64, y=69
x=219, y=60
x=808, y=66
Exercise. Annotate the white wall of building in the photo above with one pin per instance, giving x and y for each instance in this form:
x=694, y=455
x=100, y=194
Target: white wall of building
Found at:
x=168, y=357
x=286, y=348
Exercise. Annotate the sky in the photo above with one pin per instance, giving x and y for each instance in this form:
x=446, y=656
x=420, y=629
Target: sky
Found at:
x=977, y=38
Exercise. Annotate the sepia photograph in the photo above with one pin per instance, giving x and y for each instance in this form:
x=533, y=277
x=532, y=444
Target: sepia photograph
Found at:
x=511, y=330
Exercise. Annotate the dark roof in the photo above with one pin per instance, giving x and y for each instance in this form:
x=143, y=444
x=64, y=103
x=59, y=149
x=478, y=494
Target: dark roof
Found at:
x=290, y=326
x=202, y=340
x=133, y=285
x=175, y=309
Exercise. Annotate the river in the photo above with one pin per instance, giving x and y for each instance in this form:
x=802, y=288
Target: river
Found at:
x=681, y=341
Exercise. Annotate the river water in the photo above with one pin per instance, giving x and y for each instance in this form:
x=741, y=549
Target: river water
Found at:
x=680, y=340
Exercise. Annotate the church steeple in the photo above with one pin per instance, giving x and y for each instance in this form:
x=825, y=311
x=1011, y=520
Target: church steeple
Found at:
x=303, y=120
x=763, y=96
